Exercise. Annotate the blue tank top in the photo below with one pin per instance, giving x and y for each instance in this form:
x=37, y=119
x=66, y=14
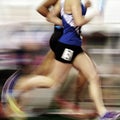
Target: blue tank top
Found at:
x=71, y=34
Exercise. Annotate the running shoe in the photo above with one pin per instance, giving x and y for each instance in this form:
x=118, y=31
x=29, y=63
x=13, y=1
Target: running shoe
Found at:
x=73, y=110
x=66, y=104
x=111, y=116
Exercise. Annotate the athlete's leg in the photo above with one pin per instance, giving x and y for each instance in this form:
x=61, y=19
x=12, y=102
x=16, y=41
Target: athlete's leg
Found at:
x=59, y=71
x=84, y=64
x=80, y=84
x=33, y=81
x=45, y=67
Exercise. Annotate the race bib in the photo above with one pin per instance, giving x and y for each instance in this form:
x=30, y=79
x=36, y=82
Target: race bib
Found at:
x=67, y=54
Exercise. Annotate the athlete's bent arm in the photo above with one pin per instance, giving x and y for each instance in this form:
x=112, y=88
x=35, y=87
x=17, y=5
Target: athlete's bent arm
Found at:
x=43, y=9
x=52, y=15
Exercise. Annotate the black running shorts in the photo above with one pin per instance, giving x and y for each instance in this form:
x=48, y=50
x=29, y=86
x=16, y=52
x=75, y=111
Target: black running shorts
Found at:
x=66, y=53
x=55, y=37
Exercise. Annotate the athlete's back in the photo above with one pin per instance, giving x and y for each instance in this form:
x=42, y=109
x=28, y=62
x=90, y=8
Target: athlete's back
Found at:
x=71, y=31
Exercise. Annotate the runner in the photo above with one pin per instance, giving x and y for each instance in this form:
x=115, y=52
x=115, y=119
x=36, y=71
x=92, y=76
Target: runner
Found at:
x=68, y=51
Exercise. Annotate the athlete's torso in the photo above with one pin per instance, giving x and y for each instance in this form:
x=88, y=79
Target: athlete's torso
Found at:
x=71, y=33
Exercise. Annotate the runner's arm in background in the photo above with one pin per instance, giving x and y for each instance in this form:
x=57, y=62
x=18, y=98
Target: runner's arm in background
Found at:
x=53, y=14
x=43, y=9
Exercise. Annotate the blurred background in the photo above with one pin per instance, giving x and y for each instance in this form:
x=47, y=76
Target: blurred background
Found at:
x=22, y=29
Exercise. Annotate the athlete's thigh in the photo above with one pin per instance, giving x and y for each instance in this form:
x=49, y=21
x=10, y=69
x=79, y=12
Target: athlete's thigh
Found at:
x=85, y=64
x=60, y=71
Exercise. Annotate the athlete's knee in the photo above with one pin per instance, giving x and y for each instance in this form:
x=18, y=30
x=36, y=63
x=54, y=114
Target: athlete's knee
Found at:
x=93, y=78
x=51, y=82
x=45, y=81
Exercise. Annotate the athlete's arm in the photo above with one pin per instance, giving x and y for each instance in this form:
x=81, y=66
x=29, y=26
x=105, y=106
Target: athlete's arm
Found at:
x=43, y=9
x=52, y=15
x=76, y=10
